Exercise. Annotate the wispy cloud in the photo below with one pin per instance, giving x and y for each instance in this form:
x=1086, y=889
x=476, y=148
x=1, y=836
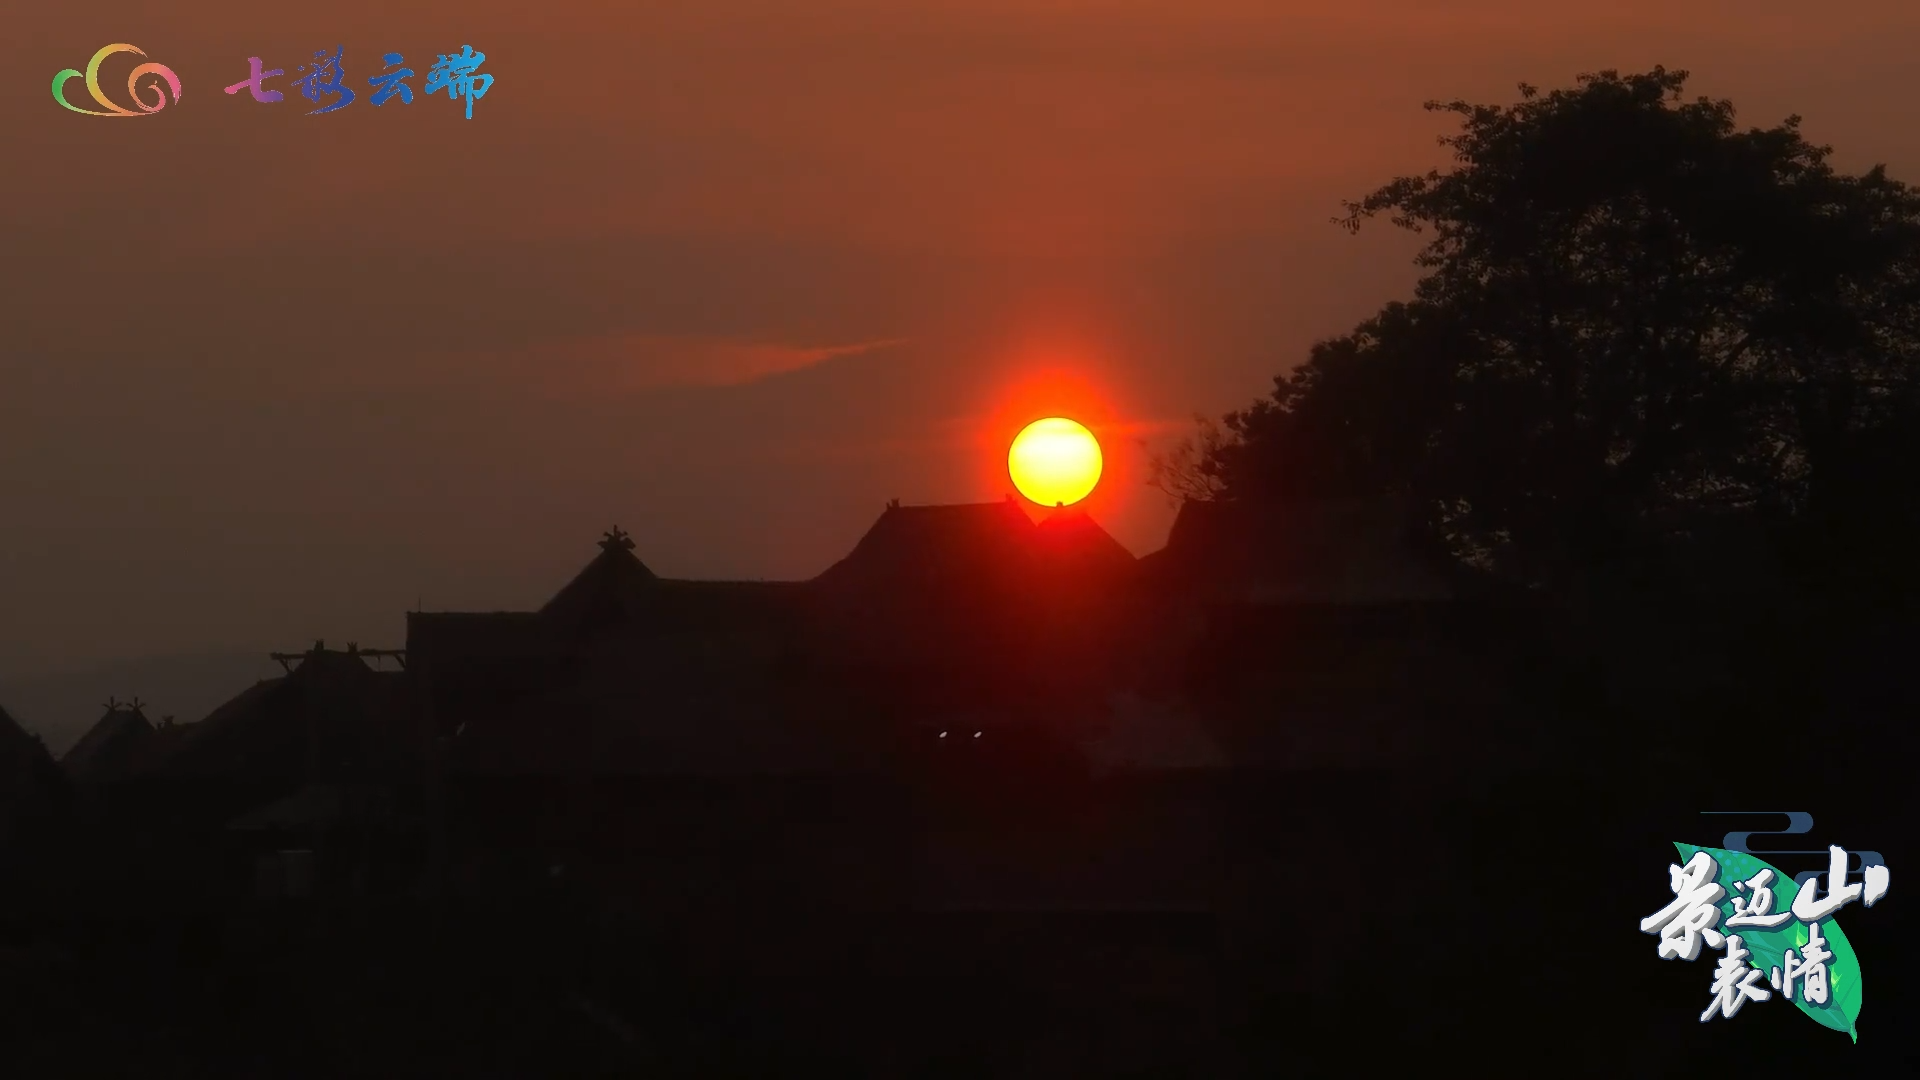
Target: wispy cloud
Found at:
x=631, y=363
x=684, y=362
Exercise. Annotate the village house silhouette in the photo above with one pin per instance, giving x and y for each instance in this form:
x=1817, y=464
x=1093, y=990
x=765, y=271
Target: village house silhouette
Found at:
x=954, y=644
x=970, y=712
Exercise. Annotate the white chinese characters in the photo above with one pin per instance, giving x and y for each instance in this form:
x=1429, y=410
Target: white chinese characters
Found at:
x=1810, y=968
x=1733, y=982
x=1694, y=917
x=1751, y=908
x=1839, y=893
x=1695, y=910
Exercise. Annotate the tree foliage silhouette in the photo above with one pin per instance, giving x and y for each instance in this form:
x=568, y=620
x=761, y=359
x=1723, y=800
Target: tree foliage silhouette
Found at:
x=1190, y=469
x=1637, y=324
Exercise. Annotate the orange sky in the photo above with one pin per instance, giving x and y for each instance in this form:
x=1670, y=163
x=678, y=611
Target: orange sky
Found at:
x=729, y=275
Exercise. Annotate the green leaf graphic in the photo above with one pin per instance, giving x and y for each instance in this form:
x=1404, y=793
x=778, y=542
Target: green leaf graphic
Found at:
x=1842, y=1010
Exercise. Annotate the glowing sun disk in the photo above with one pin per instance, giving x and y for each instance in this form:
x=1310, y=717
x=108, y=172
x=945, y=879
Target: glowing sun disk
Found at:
x=1054, y=461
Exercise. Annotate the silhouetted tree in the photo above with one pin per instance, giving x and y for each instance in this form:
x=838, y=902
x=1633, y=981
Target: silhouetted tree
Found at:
x=1190, y=468
x=1637, y=325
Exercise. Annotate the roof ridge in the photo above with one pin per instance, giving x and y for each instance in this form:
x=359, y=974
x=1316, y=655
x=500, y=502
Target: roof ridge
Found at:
x=616, y=565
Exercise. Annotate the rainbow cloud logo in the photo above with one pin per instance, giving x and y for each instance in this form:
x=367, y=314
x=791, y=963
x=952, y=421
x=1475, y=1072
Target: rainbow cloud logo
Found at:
x=92, y=76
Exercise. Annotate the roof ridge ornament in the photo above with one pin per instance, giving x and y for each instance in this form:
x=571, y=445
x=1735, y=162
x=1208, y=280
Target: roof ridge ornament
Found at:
x=615, y=540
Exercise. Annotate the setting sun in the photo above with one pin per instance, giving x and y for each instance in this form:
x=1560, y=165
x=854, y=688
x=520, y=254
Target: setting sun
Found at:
x=1055, y=461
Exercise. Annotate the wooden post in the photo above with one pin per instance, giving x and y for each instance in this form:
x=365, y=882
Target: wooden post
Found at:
x=433, y=781
x=309, y=710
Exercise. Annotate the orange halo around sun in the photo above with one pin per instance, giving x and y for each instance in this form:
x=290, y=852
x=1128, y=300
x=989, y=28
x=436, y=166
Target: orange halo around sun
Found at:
x=1054, y=462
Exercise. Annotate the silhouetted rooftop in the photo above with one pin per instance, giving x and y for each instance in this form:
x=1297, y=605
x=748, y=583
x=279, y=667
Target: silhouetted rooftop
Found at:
x=14, y=739
x=121, y=740
x=941, y=585
x=614, y=595
x=20, y=754
x=1070, y=536
x=615, y=583
x=32, y=787
x=266, y=728
x=1345, y=552
x=956, y=542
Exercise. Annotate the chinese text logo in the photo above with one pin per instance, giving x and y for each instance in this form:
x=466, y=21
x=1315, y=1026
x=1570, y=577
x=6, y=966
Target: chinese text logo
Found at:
x=92, y=76
x=1797, y=943
x=325, y=83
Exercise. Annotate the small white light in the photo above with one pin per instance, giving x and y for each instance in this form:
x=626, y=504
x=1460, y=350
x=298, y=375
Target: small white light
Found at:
x=943, y=734
x=976, y=734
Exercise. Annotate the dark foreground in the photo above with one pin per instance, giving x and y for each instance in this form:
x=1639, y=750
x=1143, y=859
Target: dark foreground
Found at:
x=1379, y=923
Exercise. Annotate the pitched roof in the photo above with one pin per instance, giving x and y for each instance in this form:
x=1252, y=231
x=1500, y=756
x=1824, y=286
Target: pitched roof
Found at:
x=1071, y=538
x=117, y=743
x=31, y=783
x=955, y=543
x=201, y=744
x=265, y=728
x=971, y=586
x=14, y=739
x=614, y=584
x=21, y=754
x=1336, y=552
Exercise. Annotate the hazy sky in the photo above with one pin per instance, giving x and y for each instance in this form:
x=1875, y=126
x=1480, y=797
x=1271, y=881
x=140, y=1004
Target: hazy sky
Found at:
x=729, y=274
